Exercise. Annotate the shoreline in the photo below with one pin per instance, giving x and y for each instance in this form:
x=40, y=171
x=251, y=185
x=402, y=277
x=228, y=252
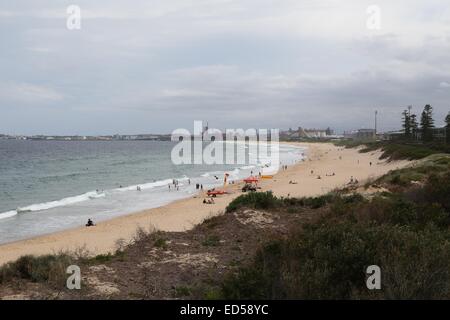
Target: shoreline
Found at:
x=184, y=214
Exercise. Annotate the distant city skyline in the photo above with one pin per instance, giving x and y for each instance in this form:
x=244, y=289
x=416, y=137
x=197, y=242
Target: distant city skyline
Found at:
x=154, y=66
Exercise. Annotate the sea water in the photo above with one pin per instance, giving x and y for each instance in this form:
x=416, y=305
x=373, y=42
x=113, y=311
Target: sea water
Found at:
x=49, y=186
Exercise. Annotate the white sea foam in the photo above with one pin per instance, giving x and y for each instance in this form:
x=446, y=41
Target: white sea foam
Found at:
x=61, y=203
x=266, y=168
x=8, y=214
x=146, y=186
x=74, y=211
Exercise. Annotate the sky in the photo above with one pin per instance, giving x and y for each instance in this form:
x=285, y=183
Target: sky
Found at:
x=147, y=66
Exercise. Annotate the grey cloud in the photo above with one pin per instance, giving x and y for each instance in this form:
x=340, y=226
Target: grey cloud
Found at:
x=152, y=66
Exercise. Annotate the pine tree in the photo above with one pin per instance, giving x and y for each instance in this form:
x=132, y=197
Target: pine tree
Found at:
x=447, y=128
x=427, y=123
x=406, y=124
x=414, y=126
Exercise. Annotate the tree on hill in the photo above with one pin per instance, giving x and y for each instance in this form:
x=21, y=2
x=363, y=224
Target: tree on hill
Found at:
x=406, y=124
x=427, y=123
x=447, y=128
x=414, y=125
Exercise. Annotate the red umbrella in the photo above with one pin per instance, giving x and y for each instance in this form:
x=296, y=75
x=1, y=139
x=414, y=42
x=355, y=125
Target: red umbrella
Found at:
x=251, y=180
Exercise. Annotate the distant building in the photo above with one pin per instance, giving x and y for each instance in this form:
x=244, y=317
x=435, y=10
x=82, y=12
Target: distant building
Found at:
x=302, y=133
x=364, y=134
x=360, y=134
x=439, y=134
x=393, y=135
x=314, y=133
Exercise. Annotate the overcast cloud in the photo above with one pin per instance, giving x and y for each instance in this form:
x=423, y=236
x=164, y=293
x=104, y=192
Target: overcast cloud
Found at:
x=152, y=66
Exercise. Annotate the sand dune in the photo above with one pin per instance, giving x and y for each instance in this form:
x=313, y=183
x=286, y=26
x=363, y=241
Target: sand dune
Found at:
x=323, y=159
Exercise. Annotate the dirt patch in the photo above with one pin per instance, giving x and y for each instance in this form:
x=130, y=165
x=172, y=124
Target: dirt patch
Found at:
x=102, y=288
x=258, y=218
x=16, y=297
x=168, y=265
x=186, y=260
x=372, y=191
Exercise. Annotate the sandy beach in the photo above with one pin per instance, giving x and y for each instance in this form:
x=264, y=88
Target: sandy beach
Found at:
x=323, y=159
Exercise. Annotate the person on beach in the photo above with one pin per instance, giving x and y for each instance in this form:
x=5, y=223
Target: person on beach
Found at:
x=370, y=163
x=90, y=223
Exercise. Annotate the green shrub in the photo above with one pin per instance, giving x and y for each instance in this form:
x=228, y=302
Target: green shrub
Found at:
x=213, y=294
x=397, y=150
x=248, y=284
x=254, y=200
x=211, y=241
x=329, y=262
x=406, y=234
x=437, y=190
x=160, y=243
x=317, y=202
x=46, y=268
x=399, y=180
x=102, y=258
x=181, y=291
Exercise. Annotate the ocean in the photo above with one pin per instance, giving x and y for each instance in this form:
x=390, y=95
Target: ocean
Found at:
x=49, y=186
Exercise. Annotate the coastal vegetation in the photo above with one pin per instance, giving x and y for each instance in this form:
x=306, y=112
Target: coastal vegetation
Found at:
x=49, y=269
x=416, y=141
x=396, y=150
x=406, y=233
x=268, y=247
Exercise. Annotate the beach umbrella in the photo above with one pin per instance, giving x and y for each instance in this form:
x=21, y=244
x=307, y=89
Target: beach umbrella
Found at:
x=251, y=180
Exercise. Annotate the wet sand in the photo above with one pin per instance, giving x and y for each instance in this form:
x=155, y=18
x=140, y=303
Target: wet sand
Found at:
x=322, y=158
